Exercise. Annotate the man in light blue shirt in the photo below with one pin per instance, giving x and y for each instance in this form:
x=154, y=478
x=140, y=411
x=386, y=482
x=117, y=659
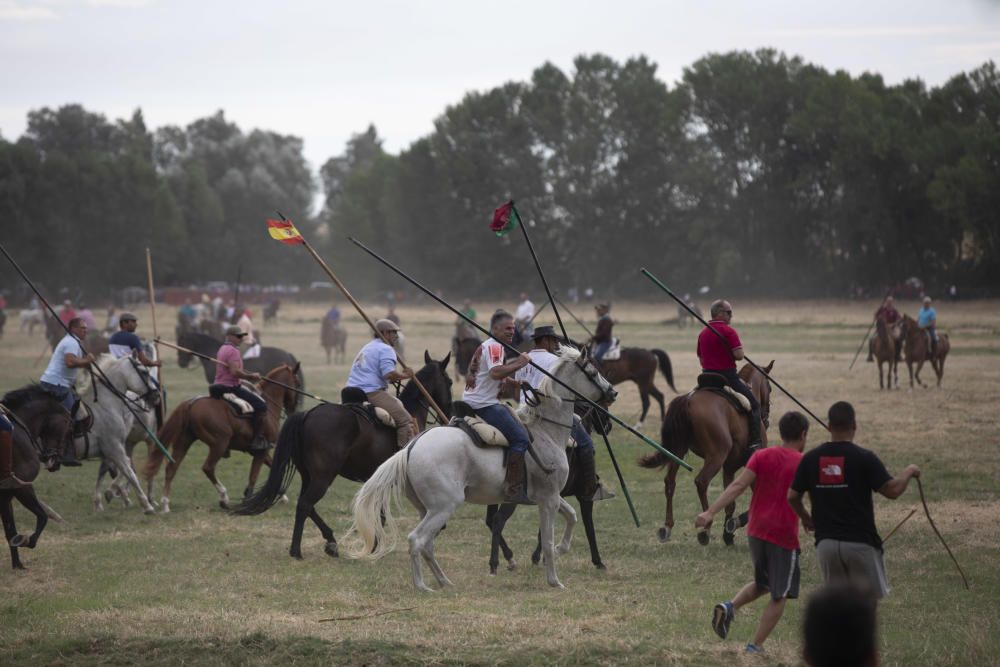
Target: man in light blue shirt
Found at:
x=60, y=375
x=927, y=319
x=372, y=371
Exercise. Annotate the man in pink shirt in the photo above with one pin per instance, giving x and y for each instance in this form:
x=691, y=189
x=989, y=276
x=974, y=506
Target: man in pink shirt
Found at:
x=773, y=530
x=227, y=380
x=719, y=355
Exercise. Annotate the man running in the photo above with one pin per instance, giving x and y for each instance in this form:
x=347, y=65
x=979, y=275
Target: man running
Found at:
x=374, y=368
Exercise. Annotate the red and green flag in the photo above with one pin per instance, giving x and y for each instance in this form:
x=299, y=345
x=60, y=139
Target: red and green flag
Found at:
x=284, y=231
x=505, y=219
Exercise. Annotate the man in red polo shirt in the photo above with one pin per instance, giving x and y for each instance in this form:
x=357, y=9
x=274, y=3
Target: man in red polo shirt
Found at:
x=719, y=355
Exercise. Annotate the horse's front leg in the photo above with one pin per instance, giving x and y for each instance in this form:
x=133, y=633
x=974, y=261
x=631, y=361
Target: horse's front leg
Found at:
x=587, y=514
x=208, y=467
x=10, y=531
x=669, y=486
x=567, y=511
x=29, y=500
x=546, y=519
x=255, y=465
x=701, y=481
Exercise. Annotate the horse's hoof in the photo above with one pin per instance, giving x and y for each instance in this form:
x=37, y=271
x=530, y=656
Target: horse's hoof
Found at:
x=600, y=566
x=108, y=496
x=19, y=566
x=332, y=550
x=18, y=541
x=556, y=584
x=727, y=538
x=283, y=498
x=493, y=570
x=296, y=556
x=149, y=511
x=663, y=534
x=511, y=565
x=224, y=504
x=424, y=588
x=535, y=560
x=638, y=426
x=561, y=550
x=703, y=537
x=247, y=492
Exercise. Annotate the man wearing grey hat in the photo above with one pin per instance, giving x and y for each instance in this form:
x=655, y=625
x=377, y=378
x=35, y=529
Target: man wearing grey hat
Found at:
x=374, y=368
x=125, y=342
x=228, y=374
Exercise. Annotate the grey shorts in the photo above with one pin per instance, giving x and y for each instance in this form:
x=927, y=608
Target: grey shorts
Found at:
x=775, y=568
x=857, y=562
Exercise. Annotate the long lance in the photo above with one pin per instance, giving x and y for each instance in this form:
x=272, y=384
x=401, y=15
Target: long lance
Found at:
x=100, y=372
x=723, y=339
x=541, y=274
x=578, y=321
x=156, y=335
x=442, y=418
x=869, y=332
x=180, y=348
x=512, y=349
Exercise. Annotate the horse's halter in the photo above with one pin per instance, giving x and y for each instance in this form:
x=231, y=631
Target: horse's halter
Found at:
x=152, y=386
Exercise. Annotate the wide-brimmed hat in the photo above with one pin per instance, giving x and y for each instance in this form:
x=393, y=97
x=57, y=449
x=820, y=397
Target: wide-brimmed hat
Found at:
x=127, y=317
x=235, y=331
x=542, y=332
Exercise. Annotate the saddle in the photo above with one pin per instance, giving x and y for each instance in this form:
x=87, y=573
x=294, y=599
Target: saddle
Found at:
x=356, y=400
x=716, y=383
x=241, y=408
x=614, y=352
x=481, y=433
x=82, y=426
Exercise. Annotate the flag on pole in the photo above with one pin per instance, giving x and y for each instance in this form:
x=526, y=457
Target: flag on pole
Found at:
x=505, y=219
x=284, y=231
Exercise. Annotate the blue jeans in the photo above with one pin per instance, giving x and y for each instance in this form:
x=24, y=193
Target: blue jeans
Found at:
x=601, y=350
x=5, y=424
x=61, y=394
x=734, y=381
x=501, y=419
x=259, y=406
x=579, y=433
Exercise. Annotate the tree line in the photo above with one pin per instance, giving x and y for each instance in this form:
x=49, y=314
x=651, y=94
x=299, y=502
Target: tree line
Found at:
x=757, y=173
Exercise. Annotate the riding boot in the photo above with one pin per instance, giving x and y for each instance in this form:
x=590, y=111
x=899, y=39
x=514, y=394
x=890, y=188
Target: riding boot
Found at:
x=515, y=484
x=69, y=451
x=754, y=439
x=8, y=482
x=592, y=488
x=257, y=439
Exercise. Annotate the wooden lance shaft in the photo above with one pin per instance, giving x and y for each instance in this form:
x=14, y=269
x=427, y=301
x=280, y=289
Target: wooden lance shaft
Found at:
x=869, y=332
x=442, y=418
x=156, y=335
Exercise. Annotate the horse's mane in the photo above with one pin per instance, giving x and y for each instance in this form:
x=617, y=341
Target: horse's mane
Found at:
x=567, y=355
x=15, y=398
x=84, y=381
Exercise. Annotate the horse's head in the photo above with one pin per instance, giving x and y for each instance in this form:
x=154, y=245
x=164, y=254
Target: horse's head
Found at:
x=761, y=388
x=150, y=391
x=47, y=420
x=576, y=369
x=184, y=340
x=286, y=375
x=434, y=376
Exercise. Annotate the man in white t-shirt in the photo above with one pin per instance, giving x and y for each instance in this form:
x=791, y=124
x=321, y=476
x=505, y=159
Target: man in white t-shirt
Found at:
x=524, y=314
x=543, y=355
x=487, y=371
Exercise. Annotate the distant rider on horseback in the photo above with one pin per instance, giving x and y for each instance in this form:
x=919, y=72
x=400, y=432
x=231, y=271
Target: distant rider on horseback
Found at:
x=482, y=389
x=720, y=357
x=372, y=371
x=125, y=342
x=927, y=320
x=602, y=334
x=227, y=381
x=889, y=315
x=60, y=375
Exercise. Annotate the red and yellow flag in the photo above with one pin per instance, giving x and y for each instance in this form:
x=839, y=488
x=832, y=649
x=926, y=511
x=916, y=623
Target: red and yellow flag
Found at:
x=284, y=231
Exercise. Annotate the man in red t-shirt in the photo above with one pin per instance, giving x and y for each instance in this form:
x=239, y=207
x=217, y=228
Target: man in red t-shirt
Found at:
x=719, y=355
x=773, y=530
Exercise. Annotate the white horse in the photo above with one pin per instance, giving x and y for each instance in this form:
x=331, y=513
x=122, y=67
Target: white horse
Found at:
x=113, y=421
x=442, y=468
x=31, y=318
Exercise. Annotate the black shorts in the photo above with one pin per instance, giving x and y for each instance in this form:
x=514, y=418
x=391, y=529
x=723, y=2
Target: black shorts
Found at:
x=775, y=568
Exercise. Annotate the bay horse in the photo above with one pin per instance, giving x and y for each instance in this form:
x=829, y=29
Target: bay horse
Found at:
x=268, y=359
x=639, y=365
x=884, y=350
x=41, y=429
x=708, y=425
x=333, y=338
x=916, y=345
x=212, y=421
x=333, y=440
x=442, y=468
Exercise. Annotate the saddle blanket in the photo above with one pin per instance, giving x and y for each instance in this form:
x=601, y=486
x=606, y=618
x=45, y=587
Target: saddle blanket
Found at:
x=614, y=352
x=252, y=352
x=717, y=383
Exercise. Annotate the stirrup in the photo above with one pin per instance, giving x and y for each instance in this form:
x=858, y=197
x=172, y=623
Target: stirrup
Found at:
x=602, y=493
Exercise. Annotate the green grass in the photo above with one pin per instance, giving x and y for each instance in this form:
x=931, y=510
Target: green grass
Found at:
x=197, y=586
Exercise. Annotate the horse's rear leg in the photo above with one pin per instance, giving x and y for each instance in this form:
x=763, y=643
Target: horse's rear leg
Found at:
x=255, y=464
x=496, y=519
x=421, y=544
x=313, y=490
x=940, y=370
x=658, y=395
x=701, y=482
x=587, y=514
x=178, y=452
x=644, y=399
x=10, y=532
x=669, y=486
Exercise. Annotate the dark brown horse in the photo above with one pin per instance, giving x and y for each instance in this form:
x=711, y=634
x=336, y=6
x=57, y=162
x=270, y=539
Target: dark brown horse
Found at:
x=212, y=421
x=708, y=425
x=639, y=365
x=41, y=428
x=464, y=344
x=884, y=350
x=333, y=440
x=916, y=345
x=333, y=337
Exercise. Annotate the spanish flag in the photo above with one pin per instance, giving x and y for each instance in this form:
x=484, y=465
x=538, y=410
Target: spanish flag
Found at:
x=284, y=231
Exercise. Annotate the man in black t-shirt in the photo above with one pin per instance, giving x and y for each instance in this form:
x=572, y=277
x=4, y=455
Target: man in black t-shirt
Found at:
x=840, y=478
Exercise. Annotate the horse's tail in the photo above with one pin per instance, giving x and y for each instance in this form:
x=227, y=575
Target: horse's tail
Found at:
x=676, y=430
x=176, y=424
x=664, y=362
x=371, y=504
x=286, y=452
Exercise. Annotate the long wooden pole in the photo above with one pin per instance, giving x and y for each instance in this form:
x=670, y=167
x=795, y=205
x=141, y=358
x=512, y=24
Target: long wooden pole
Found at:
x=156, y=334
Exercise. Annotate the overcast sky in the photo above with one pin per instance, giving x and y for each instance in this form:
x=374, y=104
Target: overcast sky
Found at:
x=325, y=70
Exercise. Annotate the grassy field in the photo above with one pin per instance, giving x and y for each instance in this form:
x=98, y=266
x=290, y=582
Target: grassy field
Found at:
x=199, y=587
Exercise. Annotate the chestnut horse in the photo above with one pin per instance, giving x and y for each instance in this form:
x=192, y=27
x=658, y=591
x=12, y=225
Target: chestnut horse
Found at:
x=884, y=350
x=916, y=345
x=708, y=425
x=639, y=365
x=334, y=440
x=212, y=421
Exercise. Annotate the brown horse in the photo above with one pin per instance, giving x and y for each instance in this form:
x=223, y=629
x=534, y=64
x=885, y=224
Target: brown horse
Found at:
x=333, y=337
x=464, y=344
x=916, y=345
x=334, y=440
x=639, y=365
x=708, y=425
x=41, y=428
x=212, y=421
x=884, y=349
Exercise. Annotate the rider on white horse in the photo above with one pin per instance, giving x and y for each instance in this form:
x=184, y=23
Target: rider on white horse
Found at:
x=482, y=389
